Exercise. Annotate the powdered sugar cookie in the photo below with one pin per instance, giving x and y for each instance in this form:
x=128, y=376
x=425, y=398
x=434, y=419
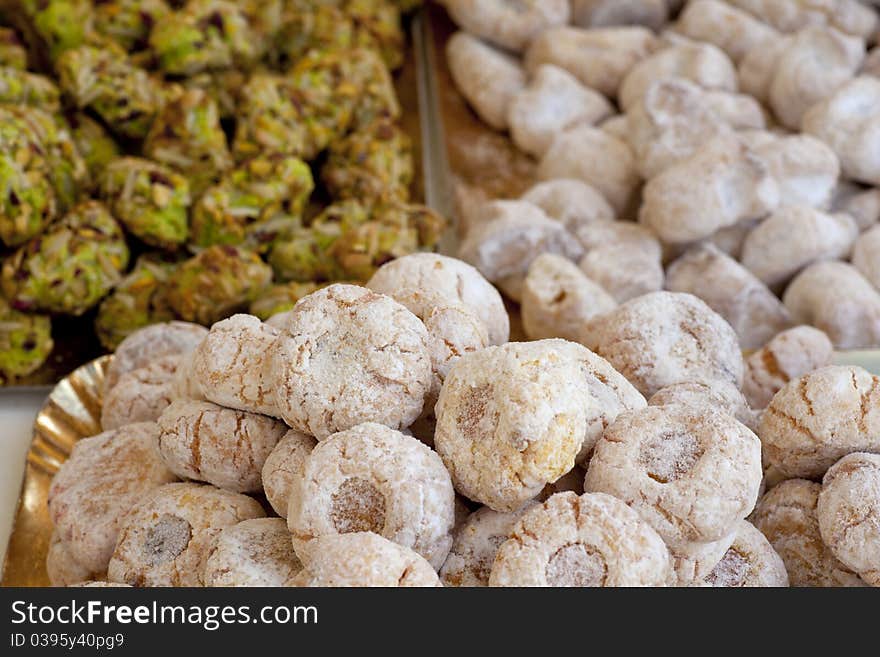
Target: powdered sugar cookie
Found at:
x=168, y=535
x=362, y=559
x=691, y=473
x=572, y=202
x=693, y=561
x=866, y=255
x=254, y=552
x=222, y=446
x=373, y=478
x=140, y=395
x=750, y=561
x=102, y=479
x=591, y=540
x=347, y=355
x=511, y=25
x=599, y=13
x=735, y=31
x=61, y=567
x=286, y=461
x=719, y=395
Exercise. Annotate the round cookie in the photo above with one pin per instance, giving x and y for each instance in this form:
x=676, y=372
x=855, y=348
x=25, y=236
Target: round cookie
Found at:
x=665, y=337
x=167, y=537
x=849, y=513
x=510, y=420
x=286, y=460
x=421, y=281
x=140, y=395
x=62, y=568
x=146, y=345
x=691, y=473
x=362, y=559
x=347, y=355
x=373, y=478
x=786, y=515
x=222, y=446
x=820, y=417
x=720, y=395
x=749, y=562
x=591, y=540
x=104, y=477
x=254, y=552
x=232, y=365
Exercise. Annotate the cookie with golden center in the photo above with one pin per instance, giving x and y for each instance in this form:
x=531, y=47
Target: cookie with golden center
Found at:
x=787, y=356
x=786, y=515
x=140, y=395
x=421, y=281
x=510, y=420
x=286, y=460
x=155, y=341
x=231, y=365
x=62, y=568
x=591, y=540
x=663, y=338
x=849, y=513
x=750, y=561
x=374, y=479
x=104, y=477
x=347, y=355
x=691, y=473
x=362, y=559
x=254, y=552
x=476, y=544
x=167, y=537
x=821, y=417
x=221, y=446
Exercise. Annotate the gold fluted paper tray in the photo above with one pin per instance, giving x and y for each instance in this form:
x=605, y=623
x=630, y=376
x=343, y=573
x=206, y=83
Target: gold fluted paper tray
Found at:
x=71, y=411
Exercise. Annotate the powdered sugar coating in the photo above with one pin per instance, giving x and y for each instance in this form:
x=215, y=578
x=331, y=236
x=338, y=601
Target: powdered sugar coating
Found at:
x=254, y=552
x=866, y=255
x=140, y=395
x=231, y=365
x=750, y=561
x=511, y=419
x=61, y=567
x=511, y=25
x=820, y=417
x=557, y=299
x=286, y=461
x=572, y=202
x=719, y=395
x=849, y=513
x=421, y=281
x=102, y=479
x=222, y=446
x=373, y=478
x=663, y=338
x=476, y=544
x=146, y=345
x=691, y=473
x=362, y=559
x=169, y=534
x=786, y=515
x=693, y=561
x=347, y=355
x=787, y=356
x=735, y=31
x=591, y=540
x=598, y=13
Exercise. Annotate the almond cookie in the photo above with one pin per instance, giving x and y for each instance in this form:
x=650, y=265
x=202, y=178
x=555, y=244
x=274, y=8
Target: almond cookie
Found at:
x=558, y=299
x=254, y=552
x=572, y=202
x=849, y=513
x=787, y=356
x=691, y=473
x=819, y=418
x=231, y=365
x=664, y=338
x=693, y=561
x=848, y=16
x=347, y=355
x=735, y=31
x=835, y=298
x=222, y=446
x=374, y=479
x=749, y=562
x=362, y=559
x=167, y=537
x=285, y=462
x=591, y=540
x=146, y=345
x=140, y=395
x=104, y=477
x=510, y=420
x=866, y=255
x=421, y=281
x=476, y=544
x=719, y=395
x=786, y=515
x=511, y=25
x=61, y=567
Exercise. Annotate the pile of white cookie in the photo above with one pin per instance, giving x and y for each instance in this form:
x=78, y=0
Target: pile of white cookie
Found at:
x=730, y=150
x=390, y=435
